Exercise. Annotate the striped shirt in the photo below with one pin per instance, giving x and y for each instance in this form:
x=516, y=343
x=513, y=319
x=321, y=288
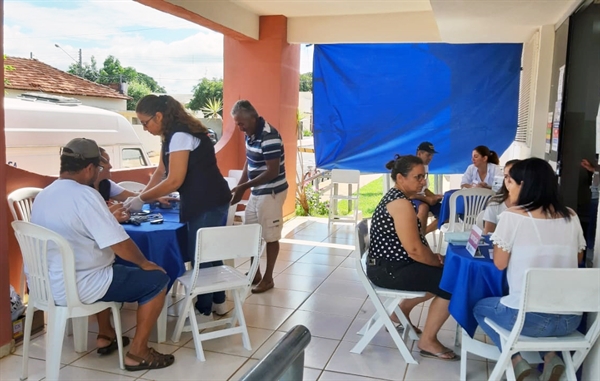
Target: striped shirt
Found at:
x=265, y=144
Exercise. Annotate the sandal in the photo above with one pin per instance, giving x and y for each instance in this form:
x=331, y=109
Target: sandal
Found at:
x=400, y=328
x=440, y=355
x=153, y=360
x=113, y=346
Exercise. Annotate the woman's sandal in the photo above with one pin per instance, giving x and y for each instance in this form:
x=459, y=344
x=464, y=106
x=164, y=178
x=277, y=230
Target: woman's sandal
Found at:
x=153, y=360
x=113, y=346
x=400, y=328
x=440, y=355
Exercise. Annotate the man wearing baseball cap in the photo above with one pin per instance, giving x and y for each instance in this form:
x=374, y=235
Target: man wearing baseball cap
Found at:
x=427, y=201
x=71, y=207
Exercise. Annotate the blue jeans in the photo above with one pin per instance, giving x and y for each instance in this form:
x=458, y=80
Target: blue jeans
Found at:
x=214, y=217
x=535, y=325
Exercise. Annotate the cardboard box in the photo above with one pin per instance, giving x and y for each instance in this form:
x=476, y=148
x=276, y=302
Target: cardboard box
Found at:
x=36, y=326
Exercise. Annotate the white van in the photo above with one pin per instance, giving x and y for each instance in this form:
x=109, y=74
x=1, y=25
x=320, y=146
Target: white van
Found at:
x=36, y=129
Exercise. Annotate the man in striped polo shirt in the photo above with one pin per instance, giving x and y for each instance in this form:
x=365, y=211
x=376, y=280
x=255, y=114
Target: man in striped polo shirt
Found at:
x=264, y=173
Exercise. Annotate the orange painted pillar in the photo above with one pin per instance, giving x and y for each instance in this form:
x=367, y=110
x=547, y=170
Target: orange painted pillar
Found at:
x=267, y=73
x=5, y=321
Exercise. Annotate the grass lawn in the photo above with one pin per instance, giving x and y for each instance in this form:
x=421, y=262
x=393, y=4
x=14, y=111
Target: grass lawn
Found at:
x=369, y=197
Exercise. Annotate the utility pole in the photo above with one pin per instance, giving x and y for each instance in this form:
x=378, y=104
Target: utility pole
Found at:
x=80, y=65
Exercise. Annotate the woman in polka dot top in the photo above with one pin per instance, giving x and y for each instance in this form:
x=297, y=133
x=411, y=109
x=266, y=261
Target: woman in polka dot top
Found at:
x=400, y=258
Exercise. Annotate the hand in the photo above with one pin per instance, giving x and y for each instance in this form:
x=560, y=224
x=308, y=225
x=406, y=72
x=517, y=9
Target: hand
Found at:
x=149, y=266
x=134, y=204
x=120, y=213
x=482, y=185
x=238, y=193
x=588, y=166
x=164, y=201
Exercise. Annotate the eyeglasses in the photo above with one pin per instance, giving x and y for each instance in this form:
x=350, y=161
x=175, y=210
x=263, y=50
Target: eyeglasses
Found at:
x=145, y=124
x=420, y=177
x=100, y=168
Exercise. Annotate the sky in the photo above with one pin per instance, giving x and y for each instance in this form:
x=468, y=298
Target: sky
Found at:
x=175, y=52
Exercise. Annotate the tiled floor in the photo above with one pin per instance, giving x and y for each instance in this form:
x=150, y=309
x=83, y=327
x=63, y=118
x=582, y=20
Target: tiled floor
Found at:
x=316, y=286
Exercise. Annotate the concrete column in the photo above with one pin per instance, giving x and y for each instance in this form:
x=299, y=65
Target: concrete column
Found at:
x=265, y=72
x=540, y=98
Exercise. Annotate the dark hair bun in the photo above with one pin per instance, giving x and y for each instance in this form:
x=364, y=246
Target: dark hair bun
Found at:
x=390, y=164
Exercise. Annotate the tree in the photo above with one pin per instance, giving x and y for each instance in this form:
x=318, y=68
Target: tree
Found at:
x=150, y=82
x=136, y=90
x=89, y=71
x=213, y=108
x=7, y=68
x=306, y=82
x=205, y=90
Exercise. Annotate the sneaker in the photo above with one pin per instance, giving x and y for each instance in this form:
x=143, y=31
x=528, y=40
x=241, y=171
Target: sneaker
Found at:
x=200, y=319
x=220, y=308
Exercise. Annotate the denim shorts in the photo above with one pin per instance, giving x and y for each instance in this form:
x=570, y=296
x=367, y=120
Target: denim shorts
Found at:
x=132, y=284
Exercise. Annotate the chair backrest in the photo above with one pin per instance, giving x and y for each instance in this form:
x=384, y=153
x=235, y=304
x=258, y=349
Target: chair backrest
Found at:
x=560, y=291
x=236, y=174
x=34, y=241
x=362, y=238
x=229, y=242
x=132, y=186
x=20, y=203
x=345, y=176
x=231, y=181
x=479, y=221
x=475, y=200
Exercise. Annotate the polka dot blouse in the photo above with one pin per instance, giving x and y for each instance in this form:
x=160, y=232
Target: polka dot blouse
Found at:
x=385, y=243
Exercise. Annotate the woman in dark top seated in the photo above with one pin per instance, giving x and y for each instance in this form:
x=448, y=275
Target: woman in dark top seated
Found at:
x=400, y=258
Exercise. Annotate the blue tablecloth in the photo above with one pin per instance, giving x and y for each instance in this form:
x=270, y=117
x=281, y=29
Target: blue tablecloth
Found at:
x=445, y=209
x=469, y=280
x=164, y=244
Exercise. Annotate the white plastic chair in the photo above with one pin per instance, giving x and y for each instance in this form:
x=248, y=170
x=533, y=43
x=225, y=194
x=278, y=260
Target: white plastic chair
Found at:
x=389, y=304
x=217, y=244
x=232, y=209
x=132, y=186
x=20, y=203
x=236, y=174
x=479, y=221
x=33, y=241
x=475, y=200
x=544, y=291
x=350, y=177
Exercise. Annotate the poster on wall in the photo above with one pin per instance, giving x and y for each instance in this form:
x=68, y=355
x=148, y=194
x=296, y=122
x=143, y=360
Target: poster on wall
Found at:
x=556, y=125
x=549, y=132
x=561, y=82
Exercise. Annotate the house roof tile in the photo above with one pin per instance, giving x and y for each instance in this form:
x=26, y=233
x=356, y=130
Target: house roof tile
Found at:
x=31, y=74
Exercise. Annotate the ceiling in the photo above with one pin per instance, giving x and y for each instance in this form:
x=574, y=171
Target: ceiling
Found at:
x=346, y=21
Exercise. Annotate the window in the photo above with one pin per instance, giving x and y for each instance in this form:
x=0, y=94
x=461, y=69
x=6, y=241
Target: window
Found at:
x=132, y=158
x=527, y=89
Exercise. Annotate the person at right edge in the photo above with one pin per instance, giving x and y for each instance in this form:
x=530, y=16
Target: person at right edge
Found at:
x=264, y=173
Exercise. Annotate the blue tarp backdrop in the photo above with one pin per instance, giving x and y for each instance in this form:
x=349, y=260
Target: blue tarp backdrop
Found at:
x=372, y=101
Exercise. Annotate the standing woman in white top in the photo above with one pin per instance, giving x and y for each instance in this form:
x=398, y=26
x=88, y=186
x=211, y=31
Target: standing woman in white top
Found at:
x=540, y=232
x=481, y=173
x=497, y=204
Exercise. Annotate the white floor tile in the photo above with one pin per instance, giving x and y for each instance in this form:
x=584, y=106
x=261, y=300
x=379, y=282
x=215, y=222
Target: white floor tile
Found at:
x=217, y=366
x=289, y=256
x=309, y=269
x=74, y=373
x=333, y=305
x=374, y=362
x=330, y=251
x=349, y=263
x=432, y=369
x=342, y=288
x=298, y=282
x=320, y=259
x=243, y=370
x=278, y=297
x=344, y=274
x=295, y=247
x=320, y=325
x=318, y=352
x=37, y=348
x=382, y=338
x=311, y=374
x=265, y=317
x=232, y=345
x=334, y=376
x=10, y=368
x=268, y=345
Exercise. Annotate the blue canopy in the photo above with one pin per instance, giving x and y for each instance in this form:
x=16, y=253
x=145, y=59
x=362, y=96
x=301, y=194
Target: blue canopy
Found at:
x=372, y=101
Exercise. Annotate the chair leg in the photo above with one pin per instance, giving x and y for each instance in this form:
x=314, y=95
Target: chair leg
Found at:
x=161, y=323
x=463, y=360
x=26, y=339
x=570, y=368
x=57, y=321
x=119, y=332
x=239, y=313
x=80, y=333
x=196, y=335
x=22, y=282
x=187, y=304
x=500, y=367
x=457, y=336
